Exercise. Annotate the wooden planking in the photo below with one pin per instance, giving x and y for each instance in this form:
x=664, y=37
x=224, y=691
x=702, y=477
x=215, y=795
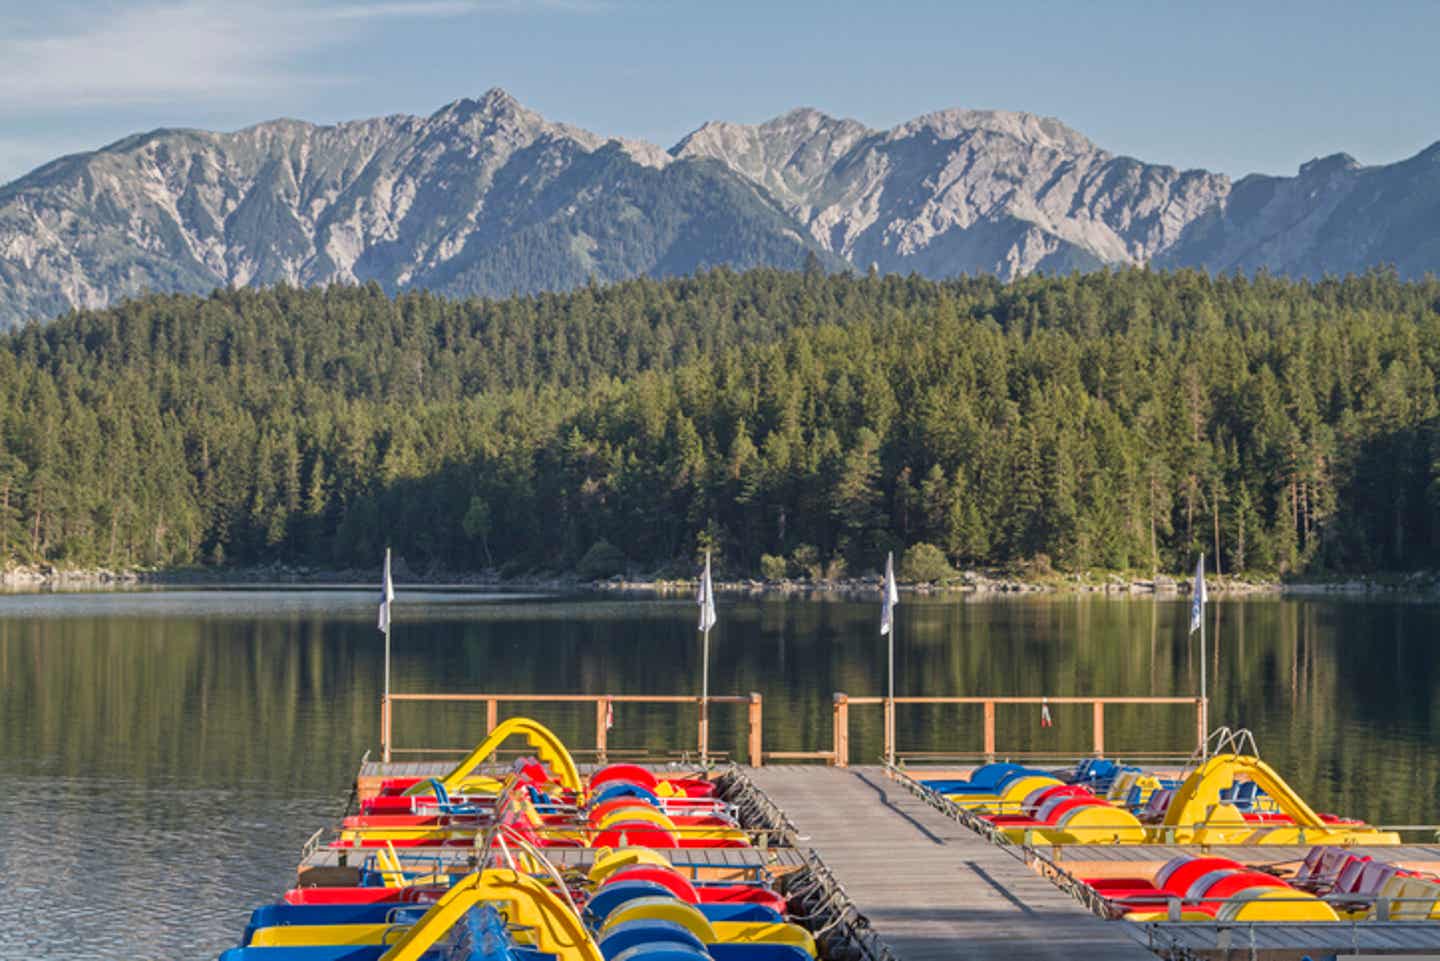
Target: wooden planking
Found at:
x=933, y=890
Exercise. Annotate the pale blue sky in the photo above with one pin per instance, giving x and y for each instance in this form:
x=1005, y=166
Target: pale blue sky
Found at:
x=1230, y=86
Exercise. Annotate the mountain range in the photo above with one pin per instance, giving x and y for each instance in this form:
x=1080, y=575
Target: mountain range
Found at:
x=487, y=197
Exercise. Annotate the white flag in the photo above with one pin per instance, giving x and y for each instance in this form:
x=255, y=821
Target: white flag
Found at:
x=892, y=596
x=1197, y=596
x=706, y=598
x=387, y=594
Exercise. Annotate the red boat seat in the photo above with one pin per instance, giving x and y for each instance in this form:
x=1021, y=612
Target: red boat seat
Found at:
x=668, y=878
x=692, y=787
x=388, y=804
x=742, y=894
x=1348, y=881
x=366, y=895
x=633, y=773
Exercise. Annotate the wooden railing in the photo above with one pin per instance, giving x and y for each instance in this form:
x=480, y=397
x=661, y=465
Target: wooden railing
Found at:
x=839, y=753
x=602, y=704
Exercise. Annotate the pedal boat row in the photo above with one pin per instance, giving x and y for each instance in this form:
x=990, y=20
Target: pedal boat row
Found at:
x=624, y=804
x=1331, y=884
x=1224, y=799
x=631, y=904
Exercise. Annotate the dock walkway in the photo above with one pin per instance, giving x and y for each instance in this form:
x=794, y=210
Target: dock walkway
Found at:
x=931, y=888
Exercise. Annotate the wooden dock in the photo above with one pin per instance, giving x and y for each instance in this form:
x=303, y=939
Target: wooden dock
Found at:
x=707, y=864
x=932, y=888
x=1278, y=939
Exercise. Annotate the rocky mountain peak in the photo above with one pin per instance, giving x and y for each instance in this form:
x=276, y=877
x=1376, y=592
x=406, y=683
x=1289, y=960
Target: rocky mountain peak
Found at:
x=803, y=115
x=790, y=156
x=1027, y=128
x=493, y=104
x=488, y=196
x=779, y=137
x=494, y=113
x=1325, y=166
x=498, y=119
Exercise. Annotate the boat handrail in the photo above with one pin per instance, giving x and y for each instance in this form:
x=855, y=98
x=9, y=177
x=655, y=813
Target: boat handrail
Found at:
x=1175, y=938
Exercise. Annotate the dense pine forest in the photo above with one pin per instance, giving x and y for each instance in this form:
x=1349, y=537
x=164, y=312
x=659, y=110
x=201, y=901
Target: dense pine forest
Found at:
x=798, y=423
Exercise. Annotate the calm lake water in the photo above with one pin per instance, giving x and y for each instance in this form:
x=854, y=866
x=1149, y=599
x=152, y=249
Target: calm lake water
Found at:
x=165, y=754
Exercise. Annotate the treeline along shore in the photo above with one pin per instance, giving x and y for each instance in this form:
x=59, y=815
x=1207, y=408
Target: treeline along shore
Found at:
x=798, y=424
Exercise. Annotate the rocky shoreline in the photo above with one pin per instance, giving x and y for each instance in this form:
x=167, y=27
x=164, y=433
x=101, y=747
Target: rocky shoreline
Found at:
x=45, y=577
x=970, y=582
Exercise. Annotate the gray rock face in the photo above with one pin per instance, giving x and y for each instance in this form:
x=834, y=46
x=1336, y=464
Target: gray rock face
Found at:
x=487, y=197
x=482, y=196
x=962, y=190
x=1335, y=217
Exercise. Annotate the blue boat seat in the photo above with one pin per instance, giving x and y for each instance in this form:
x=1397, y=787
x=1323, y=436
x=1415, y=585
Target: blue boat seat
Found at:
x=627, y=935
x=616, y=789
x=986, y=779
x=663, y=951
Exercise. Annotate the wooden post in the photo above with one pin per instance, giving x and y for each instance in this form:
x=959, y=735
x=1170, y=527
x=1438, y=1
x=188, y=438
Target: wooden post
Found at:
x=756, y=745
x=1099, y=707
x=841, y=725
x=602, y=731
x=385, y=729
x=492, y=715
x=990, y=731
x=702, y=736
x=1201, y=734
x=890, y=730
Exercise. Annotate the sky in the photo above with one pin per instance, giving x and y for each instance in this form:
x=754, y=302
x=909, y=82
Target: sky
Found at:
x=1237, y=87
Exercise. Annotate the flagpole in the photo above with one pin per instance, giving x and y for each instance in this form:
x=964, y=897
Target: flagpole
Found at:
x=705, y=701
x=887, y=626
x=387, y=636
x=385, y=622
x=890, y=714
x=1204, y=685
x=707, y=621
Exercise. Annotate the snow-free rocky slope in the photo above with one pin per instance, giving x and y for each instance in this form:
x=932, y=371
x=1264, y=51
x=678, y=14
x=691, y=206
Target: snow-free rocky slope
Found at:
x=487, y=197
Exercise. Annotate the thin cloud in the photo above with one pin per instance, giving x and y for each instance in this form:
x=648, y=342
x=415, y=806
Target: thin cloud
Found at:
x=377, y=11
x=169, y=51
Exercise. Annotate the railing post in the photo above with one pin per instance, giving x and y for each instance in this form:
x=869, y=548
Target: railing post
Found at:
x=756, y=745
x=492, y=715
x=890, y=730
x=385, y=728
x=602, y=727
x=990, y=731
x=1099, y=708
x=702, y=738
x=840, y=722
x=1201, y=734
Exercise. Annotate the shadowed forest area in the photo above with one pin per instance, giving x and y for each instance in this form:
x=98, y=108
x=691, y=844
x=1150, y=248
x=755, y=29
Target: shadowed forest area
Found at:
x=799, y=423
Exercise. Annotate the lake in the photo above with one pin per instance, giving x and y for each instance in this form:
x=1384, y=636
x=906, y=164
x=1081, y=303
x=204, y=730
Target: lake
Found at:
x=166, y=753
